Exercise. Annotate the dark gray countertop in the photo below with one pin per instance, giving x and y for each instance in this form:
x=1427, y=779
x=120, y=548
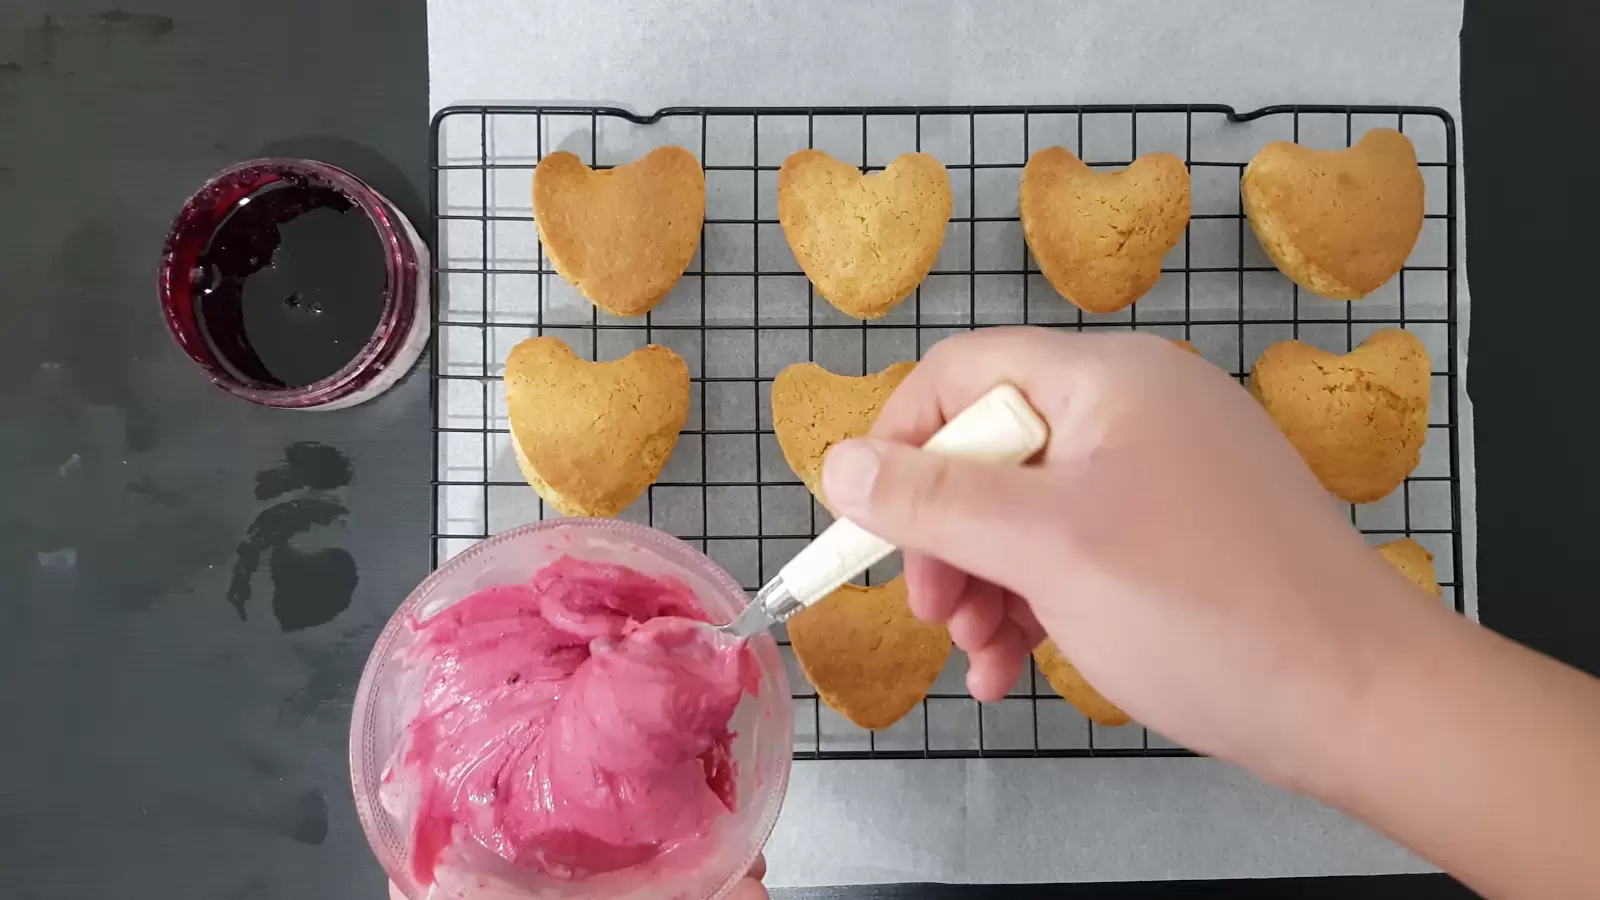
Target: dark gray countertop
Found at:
x=161, y=741
x=176, y=723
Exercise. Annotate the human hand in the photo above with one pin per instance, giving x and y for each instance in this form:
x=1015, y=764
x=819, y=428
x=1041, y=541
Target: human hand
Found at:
x=750, y=886
x=1170, y=540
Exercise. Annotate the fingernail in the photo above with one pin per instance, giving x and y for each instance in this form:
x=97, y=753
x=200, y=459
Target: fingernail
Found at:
x=848, y=472
x=978, y=687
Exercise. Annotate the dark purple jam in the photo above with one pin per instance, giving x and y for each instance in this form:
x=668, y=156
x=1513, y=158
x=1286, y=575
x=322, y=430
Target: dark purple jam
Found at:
x=291, y=286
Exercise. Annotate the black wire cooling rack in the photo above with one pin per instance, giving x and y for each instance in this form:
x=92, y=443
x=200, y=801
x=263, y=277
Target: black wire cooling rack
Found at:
x=743, y=310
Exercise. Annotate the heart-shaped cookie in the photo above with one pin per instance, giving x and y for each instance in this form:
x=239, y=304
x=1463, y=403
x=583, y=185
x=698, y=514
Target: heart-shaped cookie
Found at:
x=1099, y=237
x=871, y=660
x=865, y=241
x=621, y=236
x=813, y=409
x=1414, y=561
x=1359, y=420
x=590, y=437
x=1069, y=683
x=1338, y=222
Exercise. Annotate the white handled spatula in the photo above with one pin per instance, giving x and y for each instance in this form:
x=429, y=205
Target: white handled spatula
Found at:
x=1000, y=427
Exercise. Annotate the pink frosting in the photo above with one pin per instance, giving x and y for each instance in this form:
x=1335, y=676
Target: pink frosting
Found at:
x=573, y=725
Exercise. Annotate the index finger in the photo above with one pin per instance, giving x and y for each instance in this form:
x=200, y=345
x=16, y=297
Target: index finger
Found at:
x=960, y=369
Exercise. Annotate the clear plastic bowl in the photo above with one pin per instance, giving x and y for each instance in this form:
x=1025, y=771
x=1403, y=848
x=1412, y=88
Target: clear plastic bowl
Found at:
x=764, y=724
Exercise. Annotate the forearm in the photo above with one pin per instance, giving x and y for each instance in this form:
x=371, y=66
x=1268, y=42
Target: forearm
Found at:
x=1478, y=754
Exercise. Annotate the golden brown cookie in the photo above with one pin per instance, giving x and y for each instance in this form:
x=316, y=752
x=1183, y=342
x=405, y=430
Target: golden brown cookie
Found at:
x=1069, y=683
x=1338, y=222
x=1099, y=237
x=1182, y=344
x=1358, y=420
x=590, y=437
x=621, y=236
x=1414, y=561
x=871, y=660
x=865, y=241
x=813, y=409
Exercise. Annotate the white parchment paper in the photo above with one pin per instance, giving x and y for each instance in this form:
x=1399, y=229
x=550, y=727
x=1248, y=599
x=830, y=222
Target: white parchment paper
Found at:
x=999, y=820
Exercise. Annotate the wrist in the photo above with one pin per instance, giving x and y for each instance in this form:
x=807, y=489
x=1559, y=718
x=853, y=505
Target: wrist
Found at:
x=1472, y=751
x=1361, y=685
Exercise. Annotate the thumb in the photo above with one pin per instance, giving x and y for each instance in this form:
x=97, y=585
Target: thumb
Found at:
x=987, y=519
